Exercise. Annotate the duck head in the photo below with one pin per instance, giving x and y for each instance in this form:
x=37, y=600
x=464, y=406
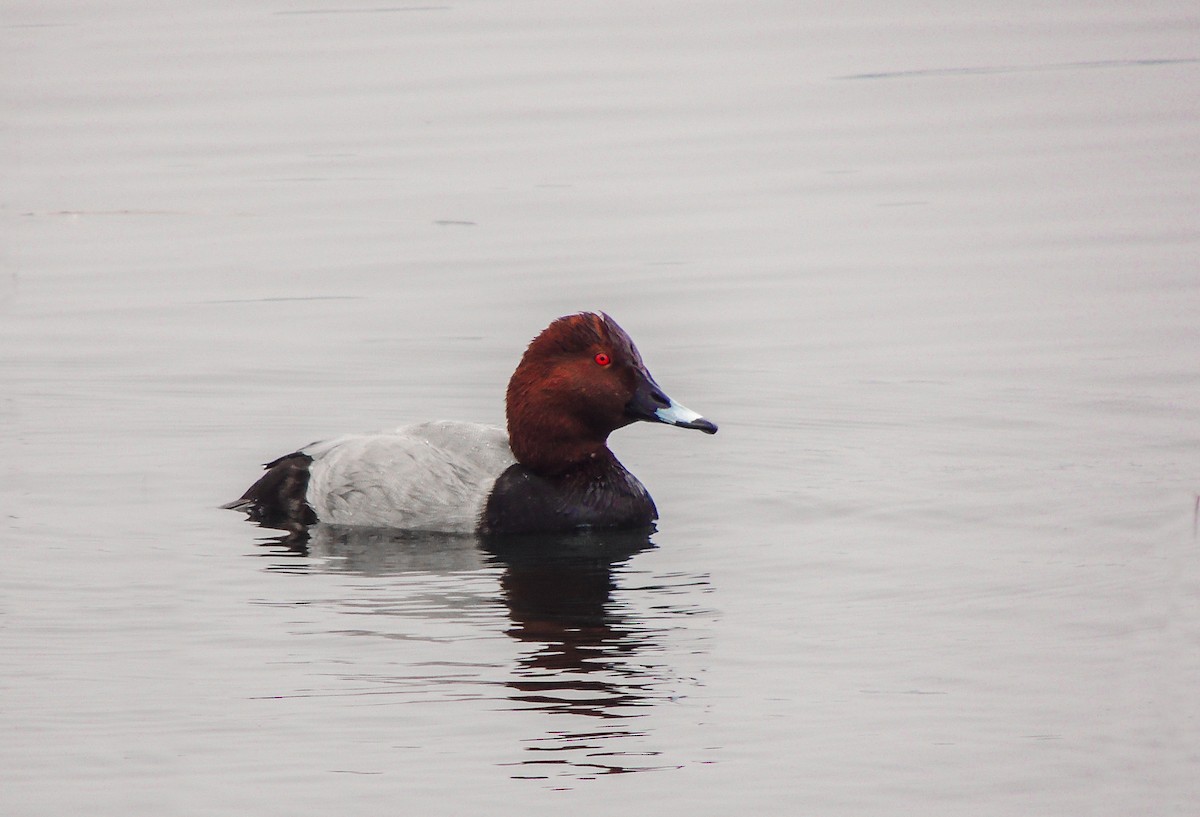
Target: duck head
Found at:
x=581, y=379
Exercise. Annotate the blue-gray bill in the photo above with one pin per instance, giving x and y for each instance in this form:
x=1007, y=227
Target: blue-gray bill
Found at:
x=682, y=416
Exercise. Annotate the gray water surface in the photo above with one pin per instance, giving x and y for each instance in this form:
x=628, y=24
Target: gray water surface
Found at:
x=932, y=269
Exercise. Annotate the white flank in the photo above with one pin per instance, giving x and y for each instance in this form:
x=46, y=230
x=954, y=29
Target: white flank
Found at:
x=429, y=476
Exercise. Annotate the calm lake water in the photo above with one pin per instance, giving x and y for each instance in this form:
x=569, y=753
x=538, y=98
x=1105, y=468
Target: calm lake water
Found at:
x=933, y=269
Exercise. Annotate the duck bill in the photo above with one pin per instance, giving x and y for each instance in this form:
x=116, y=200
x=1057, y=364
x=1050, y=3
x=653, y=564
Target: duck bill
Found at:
x=682, y=416
x=651, y=403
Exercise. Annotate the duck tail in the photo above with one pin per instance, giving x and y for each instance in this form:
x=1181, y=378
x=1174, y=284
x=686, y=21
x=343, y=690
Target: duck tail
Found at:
x=276, y=500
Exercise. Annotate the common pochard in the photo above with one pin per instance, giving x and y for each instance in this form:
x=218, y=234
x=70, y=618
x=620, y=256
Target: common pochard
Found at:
x=578, y=381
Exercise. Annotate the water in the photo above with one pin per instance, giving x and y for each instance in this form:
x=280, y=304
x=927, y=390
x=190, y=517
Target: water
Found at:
x=932, y=270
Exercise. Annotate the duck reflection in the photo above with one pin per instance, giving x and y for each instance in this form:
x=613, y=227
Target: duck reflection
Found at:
x=585, y=660
x=378, y=551
x=558, y=591
x=582, y=651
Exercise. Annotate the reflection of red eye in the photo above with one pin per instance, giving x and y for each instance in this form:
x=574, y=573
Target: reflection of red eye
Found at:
x=602, y=359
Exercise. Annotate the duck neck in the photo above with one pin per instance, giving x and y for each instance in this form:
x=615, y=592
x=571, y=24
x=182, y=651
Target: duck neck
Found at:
x=550, y=449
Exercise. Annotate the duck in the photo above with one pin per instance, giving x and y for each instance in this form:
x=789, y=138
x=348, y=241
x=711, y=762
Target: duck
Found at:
x=550, y=471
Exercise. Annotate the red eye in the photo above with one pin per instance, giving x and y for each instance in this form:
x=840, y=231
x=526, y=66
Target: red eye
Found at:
x=602, y=359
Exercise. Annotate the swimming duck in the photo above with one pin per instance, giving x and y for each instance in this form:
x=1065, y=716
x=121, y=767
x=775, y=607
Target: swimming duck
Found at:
x=579, y=380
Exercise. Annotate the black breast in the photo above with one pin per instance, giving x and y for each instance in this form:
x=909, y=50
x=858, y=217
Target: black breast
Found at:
x=599, y=494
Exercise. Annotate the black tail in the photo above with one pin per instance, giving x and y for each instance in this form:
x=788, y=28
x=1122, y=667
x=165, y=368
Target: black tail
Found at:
x=277, y=499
